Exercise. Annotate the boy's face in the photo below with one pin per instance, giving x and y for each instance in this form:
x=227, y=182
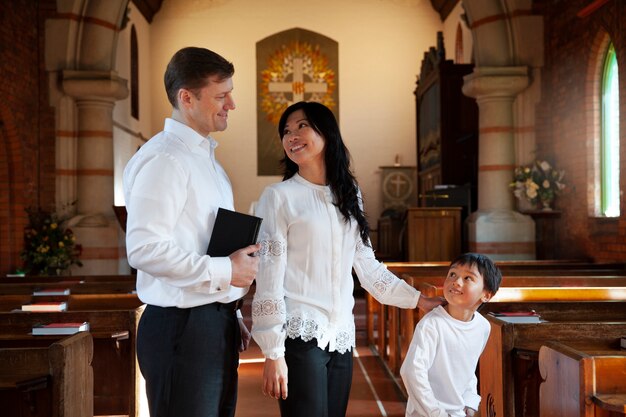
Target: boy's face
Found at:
x=464, y=287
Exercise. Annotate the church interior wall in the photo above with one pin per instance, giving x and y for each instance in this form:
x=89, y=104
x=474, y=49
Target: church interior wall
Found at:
x=381, y=45
x=129, y=133
x=379, y=60
x=454, y=20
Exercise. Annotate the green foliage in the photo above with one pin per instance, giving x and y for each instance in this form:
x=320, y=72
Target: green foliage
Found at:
x=49, y=246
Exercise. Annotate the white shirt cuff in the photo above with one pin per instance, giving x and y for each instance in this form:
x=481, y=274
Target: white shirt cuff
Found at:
x=221, y=273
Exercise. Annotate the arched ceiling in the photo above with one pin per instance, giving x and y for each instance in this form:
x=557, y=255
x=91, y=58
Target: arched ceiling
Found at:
x=149, y=8
x=443, y=7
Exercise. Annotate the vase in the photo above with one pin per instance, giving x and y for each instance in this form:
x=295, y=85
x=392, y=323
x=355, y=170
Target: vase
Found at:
x=546, y=205
x=524, y=205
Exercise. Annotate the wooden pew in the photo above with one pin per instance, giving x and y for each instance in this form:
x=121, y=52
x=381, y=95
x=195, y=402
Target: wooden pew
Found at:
x=75, y=302
x=66, y=279
x=75, y=287
x=551, y=273
x=54, y=380
x=508, y=369
x=113, y=320
x=542, y=266
x=583, y=380
x=397, y=325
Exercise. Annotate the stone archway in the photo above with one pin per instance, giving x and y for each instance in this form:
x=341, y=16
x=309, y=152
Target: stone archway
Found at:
x=506, y=57
x=80, y=59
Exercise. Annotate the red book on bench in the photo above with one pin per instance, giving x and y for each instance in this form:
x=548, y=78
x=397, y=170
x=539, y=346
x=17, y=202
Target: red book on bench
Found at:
x=51, y=306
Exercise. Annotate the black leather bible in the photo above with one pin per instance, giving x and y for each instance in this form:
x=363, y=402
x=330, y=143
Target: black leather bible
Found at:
x=233, y=231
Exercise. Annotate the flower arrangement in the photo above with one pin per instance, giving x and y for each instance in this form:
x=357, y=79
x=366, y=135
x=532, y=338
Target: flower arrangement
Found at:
x=537, y=182
x=49, y=247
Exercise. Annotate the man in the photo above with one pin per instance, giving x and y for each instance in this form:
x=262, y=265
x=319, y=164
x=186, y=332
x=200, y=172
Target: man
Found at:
x=190, y=332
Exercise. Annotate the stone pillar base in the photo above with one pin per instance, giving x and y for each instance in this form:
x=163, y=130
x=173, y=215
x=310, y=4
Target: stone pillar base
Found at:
x=502, y=235
x=102, y=252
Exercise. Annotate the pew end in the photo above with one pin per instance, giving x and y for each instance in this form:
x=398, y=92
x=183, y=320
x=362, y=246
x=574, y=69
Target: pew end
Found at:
x=584, y=380
x=61, y=372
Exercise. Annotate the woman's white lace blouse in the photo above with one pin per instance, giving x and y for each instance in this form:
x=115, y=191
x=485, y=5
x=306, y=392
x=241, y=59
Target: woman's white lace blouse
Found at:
x=304, y=285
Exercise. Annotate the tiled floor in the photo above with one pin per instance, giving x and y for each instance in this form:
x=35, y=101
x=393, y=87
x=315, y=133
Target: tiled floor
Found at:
x=373, y=392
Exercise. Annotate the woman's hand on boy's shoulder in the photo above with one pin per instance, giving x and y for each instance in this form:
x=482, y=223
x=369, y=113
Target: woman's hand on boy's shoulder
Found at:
x=428, y=303
x=469, y=412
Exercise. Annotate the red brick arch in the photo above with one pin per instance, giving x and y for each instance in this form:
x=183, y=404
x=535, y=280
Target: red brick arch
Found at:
x=12, y=210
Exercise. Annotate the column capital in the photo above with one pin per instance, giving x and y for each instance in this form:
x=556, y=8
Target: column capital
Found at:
x=504, y=82
x=94, y=85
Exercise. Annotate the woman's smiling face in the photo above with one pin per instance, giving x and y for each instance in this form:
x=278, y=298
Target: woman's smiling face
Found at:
x=302, y=144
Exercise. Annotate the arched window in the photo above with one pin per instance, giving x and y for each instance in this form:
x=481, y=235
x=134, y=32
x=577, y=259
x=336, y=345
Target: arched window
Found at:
x=134, y=74
x=610, y=137
x=458, y=45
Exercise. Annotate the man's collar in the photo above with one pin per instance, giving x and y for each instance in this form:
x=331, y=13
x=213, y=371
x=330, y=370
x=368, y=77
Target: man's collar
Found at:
x=189, y=136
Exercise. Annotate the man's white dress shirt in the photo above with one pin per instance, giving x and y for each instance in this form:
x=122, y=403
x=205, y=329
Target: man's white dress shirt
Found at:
x=173, y=187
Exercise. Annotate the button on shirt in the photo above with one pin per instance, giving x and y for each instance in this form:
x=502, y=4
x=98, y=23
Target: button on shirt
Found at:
x=173, y=187
x=304, y=284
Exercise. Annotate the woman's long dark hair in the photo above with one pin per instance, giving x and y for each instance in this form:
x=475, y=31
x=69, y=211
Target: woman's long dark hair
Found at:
x=337, y=159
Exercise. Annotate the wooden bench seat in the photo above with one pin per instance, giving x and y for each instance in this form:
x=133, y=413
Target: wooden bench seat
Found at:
x=508, y=369
x=115, y=367
x=395, y=326
x=543, y=266
x=74, y=302
x=53, y=380
x=66, y=279
x=614, y=404
x=582, y=380
x=539, y=291
x=378, y=316
x=74, y=287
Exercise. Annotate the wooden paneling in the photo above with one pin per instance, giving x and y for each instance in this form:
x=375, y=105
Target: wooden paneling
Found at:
x=433, y=234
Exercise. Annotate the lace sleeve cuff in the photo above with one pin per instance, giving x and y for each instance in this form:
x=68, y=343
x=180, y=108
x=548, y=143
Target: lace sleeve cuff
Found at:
x=275, y=354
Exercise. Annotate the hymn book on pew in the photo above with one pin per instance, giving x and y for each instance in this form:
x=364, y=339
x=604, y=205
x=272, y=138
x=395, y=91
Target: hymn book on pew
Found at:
x=233, y=231
x=51, y=291
x=48, y=306
x=517, y=316
x=60, y=328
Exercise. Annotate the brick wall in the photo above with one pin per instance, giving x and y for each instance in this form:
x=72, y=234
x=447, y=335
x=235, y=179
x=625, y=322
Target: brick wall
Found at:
x=26, y=123
x=566, y=127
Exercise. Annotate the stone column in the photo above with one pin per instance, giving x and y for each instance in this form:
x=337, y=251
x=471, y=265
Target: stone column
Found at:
x=96, y=229
x=495, y=229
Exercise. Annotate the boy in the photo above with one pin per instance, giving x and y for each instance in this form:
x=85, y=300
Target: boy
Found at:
x=439, y=369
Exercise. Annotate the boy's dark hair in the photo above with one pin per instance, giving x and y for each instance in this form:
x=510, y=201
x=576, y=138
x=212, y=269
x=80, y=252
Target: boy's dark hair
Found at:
x=191, y=68
x=492, y=276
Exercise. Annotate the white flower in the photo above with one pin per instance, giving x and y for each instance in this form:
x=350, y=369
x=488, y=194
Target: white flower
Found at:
x=545, y=166
x=537, y=181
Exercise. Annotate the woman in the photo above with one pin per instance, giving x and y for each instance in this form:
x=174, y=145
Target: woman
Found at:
x=314, y=232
